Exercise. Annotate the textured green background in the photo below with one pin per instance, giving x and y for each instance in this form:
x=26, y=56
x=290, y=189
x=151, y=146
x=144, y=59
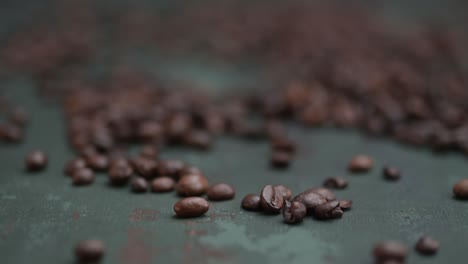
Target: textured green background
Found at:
x=42, y=216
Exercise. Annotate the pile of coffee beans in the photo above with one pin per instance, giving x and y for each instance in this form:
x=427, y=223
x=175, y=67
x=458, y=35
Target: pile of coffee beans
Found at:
x=396, y=252
x=321, y=203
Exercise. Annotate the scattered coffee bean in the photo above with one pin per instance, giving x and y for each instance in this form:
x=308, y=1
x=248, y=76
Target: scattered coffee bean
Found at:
x=120, y=172
x=36, y=160
x=89, y=251
x=293, y=212
x=329, y=210
x=345, y=204
x=460, y=189
x=390, y=251
x=285, y=191
x=360, y=163
x=163, y=184
x=73, y=165
x=97, y=162
x=271, y=199
x=427, y=246
x=191, y=207
x=172, y=168
x=83, y=176
x=221, y=192
x=280, y=159
x=391, y=173
x=251, y=202
x=139, y=185
x=145, y=167
x=192, y=185
x=310, y=200
x=11, y=133
x=336, y=183
x=329, y=195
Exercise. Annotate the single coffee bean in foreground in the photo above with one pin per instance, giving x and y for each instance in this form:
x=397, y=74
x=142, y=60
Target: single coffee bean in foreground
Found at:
x=251, y=202
x=460, y=189
x=192, y=185
x=73, y=165
x=83, y=176
x=139, y=185
x=310, y=200
x=329, y=210
x=191, y=207
x=390, y=251
x=163, y=184
x=335, y=183
x=271, y=199
x=360, y=163
x=221, y=192
x=427, y=245
x=293, y=212
x=89, y=251
x=36, y=161
x=328, y=194
x=284, y=190
x=391, y=173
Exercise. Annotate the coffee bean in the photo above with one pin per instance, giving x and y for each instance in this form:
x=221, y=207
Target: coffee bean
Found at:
x=145, y=167
x=192, y=185
x=293, y=212
x=97, y=162
x=74, y=164
x=191, y=207
x=336, y=183
x=172, y=168
x=11, y=133
x=139, y=185
x=427, y=246
x=221, y=192
x=345, y=204
x=284, y=190
x=460, y=189
x=251, y=202
x=280, y=159
x=390, y=251
x=89, y=251
x=360, y=163
x=163, y=184
x=329, y=195
x=391, y=173
x=82, y=176
x=36, y=161
x=310, y=200
x=120, y=172
x=329, y=210
x=271, y=199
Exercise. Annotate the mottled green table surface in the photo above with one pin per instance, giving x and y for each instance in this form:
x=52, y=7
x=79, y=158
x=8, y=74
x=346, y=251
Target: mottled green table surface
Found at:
x=42, y=216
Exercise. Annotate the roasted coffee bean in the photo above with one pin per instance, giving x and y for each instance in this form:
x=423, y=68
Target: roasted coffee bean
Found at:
x=391, y=173
x=335, y=183
x=89, y=251
x=73, y=165
x=293, y=212
x=427, y=246
x=390, y=250
x=329, y=195
x=360, y=163
x=97, y=162
x=280, y=159
x=145, y=167
x=191, y=207
x=172, y=168
x=149, y=152
x=36, y=160
x=345, y=204
x=221, y=192
x=163, y=184
x=11, y=133
x=310, y=200
x=192, y=185
x=120, y=172
x=251, y=202
x=460, y=189
x=82, y=176
x=285, y=191
x=271, y=199
x=139, y=185
x=329, y=210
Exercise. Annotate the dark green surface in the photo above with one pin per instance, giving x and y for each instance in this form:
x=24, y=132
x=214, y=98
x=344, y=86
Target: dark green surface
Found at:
x=42, y=216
